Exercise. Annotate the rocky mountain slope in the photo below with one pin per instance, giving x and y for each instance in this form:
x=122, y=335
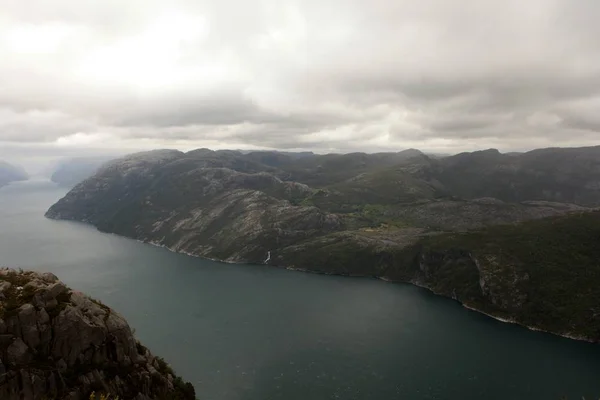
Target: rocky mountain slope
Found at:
x=10, y=173
x=543, y=273
x=560, y=175
x=56, y=343
x=353, y=214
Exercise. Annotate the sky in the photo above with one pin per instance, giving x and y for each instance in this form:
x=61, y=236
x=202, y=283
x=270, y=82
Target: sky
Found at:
x=87, y=77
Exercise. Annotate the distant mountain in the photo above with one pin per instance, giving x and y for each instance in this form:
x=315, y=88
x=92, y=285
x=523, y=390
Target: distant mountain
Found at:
x=70, y=172
x=292, y=154
x=324, y=170
x=11, y=173
x=398, y=216
x=562, y=175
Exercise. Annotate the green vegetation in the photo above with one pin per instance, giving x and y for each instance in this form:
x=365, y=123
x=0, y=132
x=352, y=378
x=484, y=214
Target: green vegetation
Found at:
x=542, y=273
x=472, y=227
x=184, y=390
x=554, y=263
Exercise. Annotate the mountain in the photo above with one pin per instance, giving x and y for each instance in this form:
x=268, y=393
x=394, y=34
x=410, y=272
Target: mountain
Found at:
x=543, y=274
x=323, y=170
x=561, y=175
x=397, y=216
x=70, y=172
x=10, y=173
x=204, y=205
x=56, y=343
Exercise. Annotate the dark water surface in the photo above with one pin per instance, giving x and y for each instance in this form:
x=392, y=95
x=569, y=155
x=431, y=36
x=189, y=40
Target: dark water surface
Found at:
x=259, y=333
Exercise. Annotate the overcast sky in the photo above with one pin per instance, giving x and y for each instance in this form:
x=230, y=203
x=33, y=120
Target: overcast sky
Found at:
x=86, y=77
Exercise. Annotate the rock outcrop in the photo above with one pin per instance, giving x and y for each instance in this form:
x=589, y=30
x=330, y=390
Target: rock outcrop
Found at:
x=56, y=343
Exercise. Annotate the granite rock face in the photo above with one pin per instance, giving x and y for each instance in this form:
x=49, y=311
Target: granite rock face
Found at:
x=197, y=206
x=56, y=343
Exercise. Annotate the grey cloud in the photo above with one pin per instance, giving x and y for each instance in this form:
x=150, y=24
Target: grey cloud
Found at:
x=582, y=115
x=286, y=74
x=37, y=126
x=587, y=123
x=464, y=123
x=187, y=110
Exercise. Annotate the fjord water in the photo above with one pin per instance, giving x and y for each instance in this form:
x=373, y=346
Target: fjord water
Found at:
x=241, y=332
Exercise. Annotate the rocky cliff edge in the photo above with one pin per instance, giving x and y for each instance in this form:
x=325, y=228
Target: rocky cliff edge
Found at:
x=56, y=343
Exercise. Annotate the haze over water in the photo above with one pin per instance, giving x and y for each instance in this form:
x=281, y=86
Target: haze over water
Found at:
x=241, y=332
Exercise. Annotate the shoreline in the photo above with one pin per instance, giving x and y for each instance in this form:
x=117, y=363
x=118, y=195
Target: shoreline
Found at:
x=382, y=278
x=500, y=319
x=531, y=328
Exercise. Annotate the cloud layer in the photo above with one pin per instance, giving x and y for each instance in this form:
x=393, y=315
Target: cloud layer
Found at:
x=339, y=75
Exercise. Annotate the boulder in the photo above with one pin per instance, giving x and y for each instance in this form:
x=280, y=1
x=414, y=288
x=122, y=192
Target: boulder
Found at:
x=18, y=353
x=54, y=290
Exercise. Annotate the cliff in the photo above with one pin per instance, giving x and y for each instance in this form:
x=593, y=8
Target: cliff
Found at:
x=190, y=205
x=56, y=343
x=542, y=274
x=230, y=206
x=395, y=216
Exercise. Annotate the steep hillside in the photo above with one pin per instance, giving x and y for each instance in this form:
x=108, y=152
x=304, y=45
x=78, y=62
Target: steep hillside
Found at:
x=542, y=274
x=463, y=215
x=202, y=203
x=559, y=175
x=323, y=170
x=367, y=215
x=570, y=175
x=56, y=343
x=188, y=205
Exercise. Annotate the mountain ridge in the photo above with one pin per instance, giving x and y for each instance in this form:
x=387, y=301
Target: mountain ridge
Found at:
x=356, y=214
